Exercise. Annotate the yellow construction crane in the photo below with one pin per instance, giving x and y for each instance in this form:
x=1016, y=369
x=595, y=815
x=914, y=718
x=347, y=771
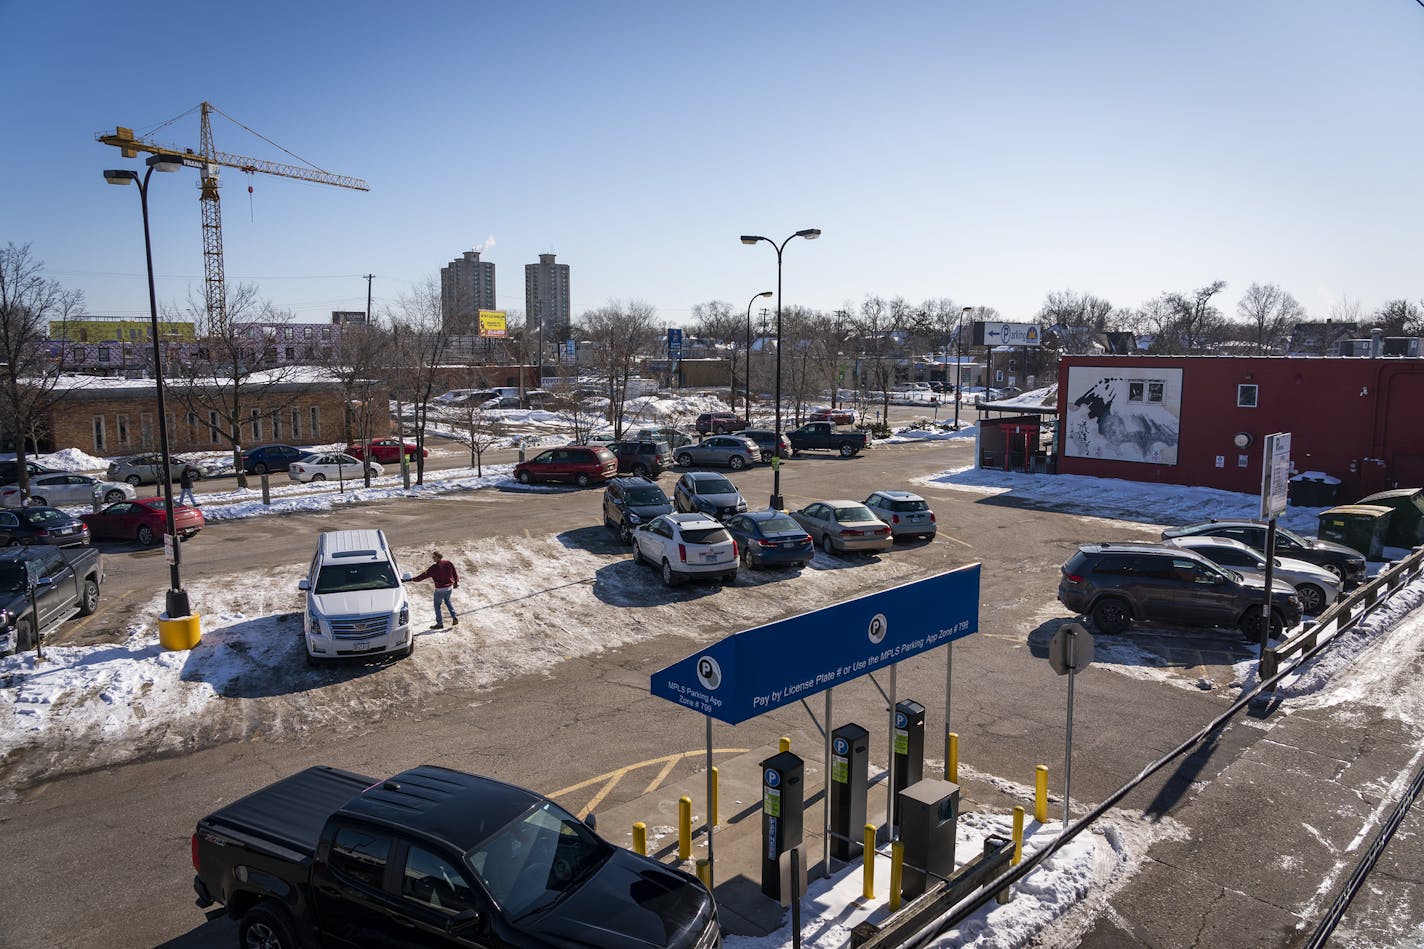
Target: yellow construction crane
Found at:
x=207, y=160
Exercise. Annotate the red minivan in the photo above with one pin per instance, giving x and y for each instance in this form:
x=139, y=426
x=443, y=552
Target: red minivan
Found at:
x=581, y=464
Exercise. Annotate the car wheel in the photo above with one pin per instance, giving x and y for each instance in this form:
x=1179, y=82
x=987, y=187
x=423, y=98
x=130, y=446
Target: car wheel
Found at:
x=259, y=469
x=14, y=542
x=625, y=534
x=265, y=926
x=638, y=554
x=746, y=558
x=1112, y=616
x=685, y=460
x=670, y=578
x=729, y=579
x=134, y=480
x=36, y=501
x=194, y=474
x=736, y=462
x=318, y=477
x=114, y=496
x=847, y=449
x=1336, y=569
x=24, y=635
x=582, y=480
x=145, y=535
x=826, y=544
x=317, y=662
x=89, y=601
x=523, y=477
x=406, y=652
x=640, y=471
x=1251, y=625
x=1312, y=598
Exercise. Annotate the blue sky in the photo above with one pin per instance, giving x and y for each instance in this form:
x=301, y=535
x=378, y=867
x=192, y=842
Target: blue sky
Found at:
x=988, y=152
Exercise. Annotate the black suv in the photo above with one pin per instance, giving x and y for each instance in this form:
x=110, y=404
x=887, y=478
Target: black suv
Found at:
x=643, y=459
x=629, y=502
x=719, y=423
x=1119, y=584
x=1345, y=562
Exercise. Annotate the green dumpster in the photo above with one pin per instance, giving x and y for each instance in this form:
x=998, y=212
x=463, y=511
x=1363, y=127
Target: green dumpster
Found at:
x=1406, y=527
x=1360, y=526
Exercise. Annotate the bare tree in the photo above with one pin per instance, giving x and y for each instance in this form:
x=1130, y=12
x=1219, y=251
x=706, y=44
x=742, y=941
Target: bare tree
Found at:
x=875, y=325
x=1401, y=318
x=360, y=359
x=1268, y=312
x=477, y=427
x=422, y=342
x=29, y=373
x=1186, y=322
x=621, y=333
x=234, y=377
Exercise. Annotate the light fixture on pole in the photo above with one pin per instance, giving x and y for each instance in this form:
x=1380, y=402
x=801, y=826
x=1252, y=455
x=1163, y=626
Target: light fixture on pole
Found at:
x=810, y=233
x=747, y=370
x=176, y=602
x=959, y=362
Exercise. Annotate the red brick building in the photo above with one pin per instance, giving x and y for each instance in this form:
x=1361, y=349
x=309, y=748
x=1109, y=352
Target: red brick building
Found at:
x=1202, y=420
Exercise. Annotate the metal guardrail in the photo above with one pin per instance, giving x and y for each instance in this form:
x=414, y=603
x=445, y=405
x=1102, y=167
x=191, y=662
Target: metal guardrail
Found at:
x=1344, y=613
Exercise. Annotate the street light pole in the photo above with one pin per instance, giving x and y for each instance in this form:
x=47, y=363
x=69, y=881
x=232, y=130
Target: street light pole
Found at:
x=747, y=370
x=176, y=602
x=959, y=362
x=810, y=233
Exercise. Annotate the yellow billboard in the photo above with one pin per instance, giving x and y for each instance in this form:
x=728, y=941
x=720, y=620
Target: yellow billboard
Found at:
x=101, y=330
x=492, y=323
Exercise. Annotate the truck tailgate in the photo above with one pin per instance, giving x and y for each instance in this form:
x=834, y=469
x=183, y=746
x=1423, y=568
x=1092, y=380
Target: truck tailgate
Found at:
x=292, y=812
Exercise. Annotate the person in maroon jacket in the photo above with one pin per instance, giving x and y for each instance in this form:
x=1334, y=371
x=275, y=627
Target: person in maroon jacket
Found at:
x=446, y=579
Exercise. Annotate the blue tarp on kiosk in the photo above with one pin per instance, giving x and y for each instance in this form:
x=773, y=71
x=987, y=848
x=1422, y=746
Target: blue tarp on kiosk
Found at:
x=755, y=671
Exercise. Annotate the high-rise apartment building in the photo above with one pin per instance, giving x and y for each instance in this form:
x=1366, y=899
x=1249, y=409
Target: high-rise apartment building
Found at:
x=546, y=294
x=466, y=287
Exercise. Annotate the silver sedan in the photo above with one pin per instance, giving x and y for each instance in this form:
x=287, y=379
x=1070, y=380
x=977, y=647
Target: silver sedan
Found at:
x=842, y=526
x=1316, y=586
x=731, y=450
x=68, y=487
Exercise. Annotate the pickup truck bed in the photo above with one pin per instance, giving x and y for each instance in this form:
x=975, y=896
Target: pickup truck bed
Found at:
x=291, y=813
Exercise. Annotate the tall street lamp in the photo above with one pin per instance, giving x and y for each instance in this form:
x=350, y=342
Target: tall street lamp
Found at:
x=747, y=371
x=959, y=362
x=810, y=233
x=177, y=599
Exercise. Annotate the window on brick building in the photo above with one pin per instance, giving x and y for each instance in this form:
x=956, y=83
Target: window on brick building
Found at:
x=296, y=424
x=99, y=440
x=145, y=429
x=315, y=433
x=1246, y=395
x=276, y=426
x=256, y=421
x=213, y=430
x=122, y=428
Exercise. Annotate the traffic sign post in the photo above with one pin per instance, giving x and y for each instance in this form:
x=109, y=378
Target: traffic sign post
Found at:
x=1275, y=484
x=1070, y=649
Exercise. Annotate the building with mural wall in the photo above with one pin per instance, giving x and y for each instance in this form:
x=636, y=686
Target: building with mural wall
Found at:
x=1203, y=420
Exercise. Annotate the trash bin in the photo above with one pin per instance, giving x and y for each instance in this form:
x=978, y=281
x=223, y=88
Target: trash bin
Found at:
x=1359, y=526
x=1406, y=527
x=1312, y=489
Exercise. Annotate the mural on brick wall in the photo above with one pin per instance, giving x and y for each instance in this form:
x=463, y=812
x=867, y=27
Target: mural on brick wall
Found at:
x=1115, y=414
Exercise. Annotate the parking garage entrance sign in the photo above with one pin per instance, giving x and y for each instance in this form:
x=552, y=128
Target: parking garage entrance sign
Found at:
x=754, y=671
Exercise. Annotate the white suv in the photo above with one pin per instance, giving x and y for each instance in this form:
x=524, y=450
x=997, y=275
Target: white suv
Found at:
x=684, y=546
x=356, y=603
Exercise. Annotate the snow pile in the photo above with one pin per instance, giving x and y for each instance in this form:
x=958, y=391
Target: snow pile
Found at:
x=1114, y=498
x=72, y=459
x=289, y=499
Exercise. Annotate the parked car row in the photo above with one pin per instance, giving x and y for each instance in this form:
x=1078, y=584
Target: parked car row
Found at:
x=1209, y=574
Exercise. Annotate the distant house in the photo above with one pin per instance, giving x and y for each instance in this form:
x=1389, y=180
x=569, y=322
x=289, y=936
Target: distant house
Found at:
x=1318, y=338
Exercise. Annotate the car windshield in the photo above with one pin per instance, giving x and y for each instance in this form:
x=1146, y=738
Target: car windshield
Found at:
x=12, y=578
x=904, y=506
x=780, y=525
x=1290, y=537
x=537, y=858
x=850, y=515
x=647, y=496
x=347, y=577
x=706, y=535
x=714, y=486
x=43, y=516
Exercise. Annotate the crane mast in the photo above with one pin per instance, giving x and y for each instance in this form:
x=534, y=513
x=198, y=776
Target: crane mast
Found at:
x=207, y=159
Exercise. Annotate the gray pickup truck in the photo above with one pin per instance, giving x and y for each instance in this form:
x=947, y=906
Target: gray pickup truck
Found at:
x=823, y=436
x=43, y=587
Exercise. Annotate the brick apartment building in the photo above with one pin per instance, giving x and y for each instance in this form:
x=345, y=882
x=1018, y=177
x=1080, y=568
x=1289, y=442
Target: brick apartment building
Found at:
x=108, y=416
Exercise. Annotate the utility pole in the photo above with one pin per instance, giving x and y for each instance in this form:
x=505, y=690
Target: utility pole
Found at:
x=369, y=278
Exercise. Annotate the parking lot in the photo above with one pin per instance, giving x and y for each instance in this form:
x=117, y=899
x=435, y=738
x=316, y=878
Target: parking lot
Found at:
x=546, y=680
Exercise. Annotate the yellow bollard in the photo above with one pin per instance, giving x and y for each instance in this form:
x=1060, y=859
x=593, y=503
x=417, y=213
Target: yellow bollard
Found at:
x=954, y=757
x=868, y=890
x=716, y=820
x=684, y=828
x=897, y=869
x=1018, y=837
x=1040, y=794
x=785, y=744
x=185, y=632
x=640, y=838
x=704, y=871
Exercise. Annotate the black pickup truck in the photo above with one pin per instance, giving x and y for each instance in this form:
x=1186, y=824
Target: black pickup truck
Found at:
x=65, y=583
x=823, y=436
x=434, y=857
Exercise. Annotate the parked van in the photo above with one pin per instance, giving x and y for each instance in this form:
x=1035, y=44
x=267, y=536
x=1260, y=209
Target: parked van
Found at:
x=356, y=599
